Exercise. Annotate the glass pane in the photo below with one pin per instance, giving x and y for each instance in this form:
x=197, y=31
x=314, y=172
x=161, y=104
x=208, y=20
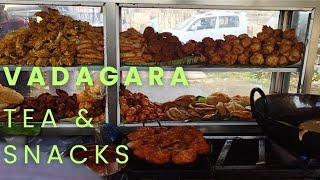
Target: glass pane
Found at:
x=181, y=21
x=203, y=84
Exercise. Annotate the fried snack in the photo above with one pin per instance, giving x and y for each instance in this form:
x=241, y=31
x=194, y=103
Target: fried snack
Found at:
x=243, y=36
x=255, y=40
x=214, y=59
x=262, y=36
x=242, y=100
x=286, y=42
x=267, y=49
x=221, y=109
x=237, y=49
x=272, y=60
x=208, y=42
x=255, y=47
x=270, y=41
x=283, y=60
x=295, y=55
x=246, y=42
x=229, y=38
x=289, y=34
x=243, y=59
x=215, y=98
x=178, y=145
x=209, y=51
x=257, y=59
x=188, y=48
x=299, y=46
x=233, y=106
x=229, y=59
x=147, y=32
x=267, y=30
x=242, y=115
x=284, y=48
x=184, y=157
x=226, y=46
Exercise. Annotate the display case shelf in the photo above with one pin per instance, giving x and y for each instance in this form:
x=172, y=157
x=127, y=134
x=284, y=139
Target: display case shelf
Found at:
x=49, y=68
x=219, y=68
x=198, y=123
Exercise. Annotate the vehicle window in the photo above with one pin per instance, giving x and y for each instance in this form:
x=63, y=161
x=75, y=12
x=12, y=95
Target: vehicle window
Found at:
x=228, y=21
x=185, y=23
x=204, y=23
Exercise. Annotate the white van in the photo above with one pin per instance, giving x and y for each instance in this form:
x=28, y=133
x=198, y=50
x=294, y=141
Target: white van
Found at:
x=214, y=25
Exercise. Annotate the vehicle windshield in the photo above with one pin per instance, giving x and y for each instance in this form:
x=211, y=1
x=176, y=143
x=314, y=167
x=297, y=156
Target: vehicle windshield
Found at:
x=184, y=23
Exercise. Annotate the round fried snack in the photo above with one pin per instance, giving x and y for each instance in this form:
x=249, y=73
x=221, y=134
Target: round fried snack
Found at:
x=272, y=60
x=294, y=56
x=277, y=33
x=255, y=47
x=267, y=29
x=283, y=60
x=209, y=51
x=243, y=36
x=286, y=41
x=289, y=34
x=188, y=48
x=270, y=41
x=299, y=46
x=267, y=49
x=226, y=46
x=154, y=48
x=215, y=59
x=228, y=38
x=243, y=59
x=237, y=49
x=262, y=36
x=184, y=157
x=147, y=32
x=208, y=42
x=229, y=59
x=284, y=48
x=246, y=42
x=198, y=48
x=255, y=40
x=221, y=52
x=234, y=42
x=257, y=59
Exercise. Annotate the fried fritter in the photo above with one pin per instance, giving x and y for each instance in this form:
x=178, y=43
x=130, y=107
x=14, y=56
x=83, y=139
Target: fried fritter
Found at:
x=283, y=61
x=200, y=146
x=243, y=36
x=208, y=42
x=184, y=157
x=229, y=59
x=215, y=59
x=272, y=60
x=295, y=55
x=255, y=47
x=237, y=49
x=243, y=59
x=267, y=49
x=257, y=59
x=246, y=42
x=289, y=34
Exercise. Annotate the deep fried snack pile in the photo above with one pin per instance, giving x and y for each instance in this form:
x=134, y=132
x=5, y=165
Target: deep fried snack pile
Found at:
x=133, y=47
x=159, y=145
x=163, y=46
x=137, y=107
x=271, y=47
x=186, y=107
x=230, y=106
x=56, y=40
x=62, y=106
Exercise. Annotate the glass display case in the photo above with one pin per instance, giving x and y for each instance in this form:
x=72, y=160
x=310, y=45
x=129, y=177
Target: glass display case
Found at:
x=194, y=21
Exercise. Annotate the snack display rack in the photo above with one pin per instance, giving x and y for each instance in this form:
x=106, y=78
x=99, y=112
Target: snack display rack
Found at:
x=111, y=22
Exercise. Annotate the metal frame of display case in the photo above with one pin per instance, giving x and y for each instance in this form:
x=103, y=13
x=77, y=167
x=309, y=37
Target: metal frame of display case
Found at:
x=64, y=129
x=280, y=76
x=112, y=16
